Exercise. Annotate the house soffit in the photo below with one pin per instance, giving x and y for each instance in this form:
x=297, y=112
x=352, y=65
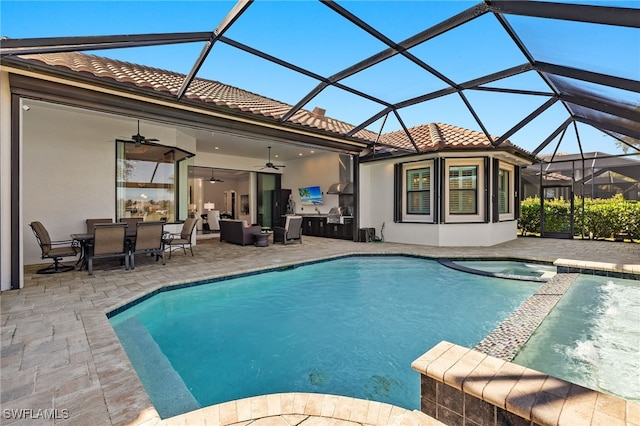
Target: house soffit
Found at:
x=53, y=84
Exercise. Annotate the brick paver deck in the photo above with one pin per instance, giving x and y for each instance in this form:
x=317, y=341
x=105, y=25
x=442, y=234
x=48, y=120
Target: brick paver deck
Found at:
x=59, y=353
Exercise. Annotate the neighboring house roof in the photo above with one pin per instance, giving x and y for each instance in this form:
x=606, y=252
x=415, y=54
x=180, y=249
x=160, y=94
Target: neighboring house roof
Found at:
x=595, y=163
x=592, y=159
x=427, y=137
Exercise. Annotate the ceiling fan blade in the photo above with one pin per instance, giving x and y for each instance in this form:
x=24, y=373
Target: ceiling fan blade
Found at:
x=152, y=140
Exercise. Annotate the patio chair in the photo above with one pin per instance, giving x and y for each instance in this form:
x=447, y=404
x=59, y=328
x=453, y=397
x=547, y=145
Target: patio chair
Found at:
x=291, y=232
x=55, y=250
x=149, y=240
x=91, y=222
x=109, y=240
x=131, y=221
x=184, y=239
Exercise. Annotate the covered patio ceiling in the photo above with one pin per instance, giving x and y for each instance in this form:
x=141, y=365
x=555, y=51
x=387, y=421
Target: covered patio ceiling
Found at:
x=543, y=75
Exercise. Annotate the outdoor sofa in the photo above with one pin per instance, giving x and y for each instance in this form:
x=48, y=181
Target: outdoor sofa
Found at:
x=238, y=231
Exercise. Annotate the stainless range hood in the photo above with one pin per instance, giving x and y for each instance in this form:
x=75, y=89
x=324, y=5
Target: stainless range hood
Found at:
x=341, y=188
x=344, y=186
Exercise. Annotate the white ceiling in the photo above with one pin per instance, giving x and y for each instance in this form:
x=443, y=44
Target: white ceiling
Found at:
x=210, y=141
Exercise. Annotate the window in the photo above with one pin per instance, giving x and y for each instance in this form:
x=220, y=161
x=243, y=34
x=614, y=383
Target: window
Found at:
x=464, y=190
x=146, y=181
x=506, y=191
x=417, y=191
x=503, y=191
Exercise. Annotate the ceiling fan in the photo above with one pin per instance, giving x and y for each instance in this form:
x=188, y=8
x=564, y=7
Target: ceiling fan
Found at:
x=213, y=179
x=269, y=164
x=138, y=139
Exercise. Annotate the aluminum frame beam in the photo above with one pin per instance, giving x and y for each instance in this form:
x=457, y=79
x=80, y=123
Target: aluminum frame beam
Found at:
x=618, y=16
x=589, y=76
x=526, y=121
x=611, y=127
x=237, y=10
x=394, y=49
x=552, y=136
x=26, y=46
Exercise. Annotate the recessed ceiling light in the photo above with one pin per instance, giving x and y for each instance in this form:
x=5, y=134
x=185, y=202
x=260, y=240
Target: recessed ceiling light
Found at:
x=300, y=155
x=217, y=147
x=312, y=151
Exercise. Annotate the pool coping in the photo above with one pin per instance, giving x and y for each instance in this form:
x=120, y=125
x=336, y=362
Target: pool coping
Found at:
x=298, y=407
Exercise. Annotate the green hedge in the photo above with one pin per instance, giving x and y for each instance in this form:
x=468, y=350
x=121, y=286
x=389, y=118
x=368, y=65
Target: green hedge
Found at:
x=603, y=218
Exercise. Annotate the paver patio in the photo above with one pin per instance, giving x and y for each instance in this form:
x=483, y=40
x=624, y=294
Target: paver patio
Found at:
x=58, y=351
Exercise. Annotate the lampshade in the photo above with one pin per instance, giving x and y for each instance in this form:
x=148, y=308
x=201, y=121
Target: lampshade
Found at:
x=192, y=206
x=209, y=206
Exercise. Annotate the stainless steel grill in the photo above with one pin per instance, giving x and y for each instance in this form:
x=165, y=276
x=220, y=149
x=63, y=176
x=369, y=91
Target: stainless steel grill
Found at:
x=337, y=214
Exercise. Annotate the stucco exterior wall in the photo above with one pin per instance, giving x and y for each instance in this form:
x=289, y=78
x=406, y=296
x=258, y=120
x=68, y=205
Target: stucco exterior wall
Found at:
x=74, y=178
x=377, y=203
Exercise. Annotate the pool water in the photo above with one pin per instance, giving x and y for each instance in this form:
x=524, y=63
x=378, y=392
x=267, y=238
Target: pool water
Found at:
x=350, y=326
x=508, y=267
x=591, y=337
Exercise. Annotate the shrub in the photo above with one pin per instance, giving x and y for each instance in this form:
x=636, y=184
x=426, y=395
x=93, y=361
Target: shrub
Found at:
x=529, y=220
x=603, y=218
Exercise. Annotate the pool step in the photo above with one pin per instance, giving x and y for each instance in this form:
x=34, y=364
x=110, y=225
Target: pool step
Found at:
x=164, y=385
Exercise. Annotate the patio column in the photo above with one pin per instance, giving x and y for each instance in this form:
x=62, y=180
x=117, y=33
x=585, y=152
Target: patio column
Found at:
x=6, y=205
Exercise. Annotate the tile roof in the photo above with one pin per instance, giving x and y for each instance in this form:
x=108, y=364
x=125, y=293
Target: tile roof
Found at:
x=438, y=137
x=428, y=137
x=207, y=91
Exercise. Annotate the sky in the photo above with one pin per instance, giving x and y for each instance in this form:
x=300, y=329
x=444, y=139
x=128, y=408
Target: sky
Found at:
x=310, y=35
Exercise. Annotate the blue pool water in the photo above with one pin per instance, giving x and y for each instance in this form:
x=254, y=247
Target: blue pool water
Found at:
x=511, y=267
x=350, y=326
x=591, y=337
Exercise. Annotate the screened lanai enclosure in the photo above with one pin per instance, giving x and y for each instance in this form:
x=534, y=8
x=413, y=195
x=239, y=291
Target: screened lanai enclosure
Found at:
x=559, y=80
x=549, y=77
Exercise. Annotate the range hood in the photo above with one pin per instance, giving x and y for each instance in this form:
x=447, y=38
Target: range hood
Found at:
x=341, y=188
x=344, y=186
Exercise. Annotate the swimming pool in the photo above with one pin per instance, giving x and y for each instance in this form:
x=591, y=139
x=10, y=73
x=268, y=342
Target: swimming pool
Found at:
x=349, y=326
x=591, y=337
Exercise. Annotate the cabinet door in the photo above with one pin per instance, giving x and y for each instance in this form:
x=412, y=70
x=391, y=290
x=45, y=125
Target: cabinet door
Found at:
x=333, y=230
x=347, y=229
x=322, y=226
x=307, y=226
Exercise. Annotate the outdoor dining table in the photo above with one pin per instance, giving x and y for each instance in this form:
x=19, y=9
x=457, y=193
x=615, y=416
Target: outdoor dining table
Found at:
x=86, y=237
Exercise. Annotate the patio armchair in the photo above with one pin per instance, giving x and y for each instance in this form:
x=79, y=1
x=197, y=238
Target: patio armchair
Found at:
x=55, y=250
x=109, y=240
x=182, y=240
x=149, y=240
x=292, y=231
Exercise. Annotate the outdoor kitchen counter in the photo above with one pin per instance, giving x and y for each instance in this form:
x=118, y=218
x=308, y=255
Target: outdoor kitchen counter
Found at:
x=317, y=225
